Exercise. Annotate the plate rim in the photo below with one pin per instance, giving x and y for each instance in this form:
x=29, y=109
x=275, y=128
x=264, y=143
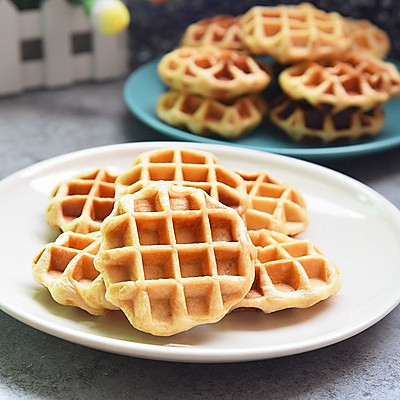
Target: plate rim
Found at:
x=192, y=354
x=310, y=153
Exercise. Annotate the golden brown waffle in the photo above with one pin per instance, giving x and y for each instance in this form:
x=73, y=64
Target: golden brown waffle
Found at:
x=357, y=81
x=212, y=72
x=202, y=116
x=368, y=38
x=65, y=267
x=81, y=203
x=289, y=273
x=185, y=167
x=293, y=33
x=173, y=258
x=220, y=31
x=303, y=122
x=273, y=204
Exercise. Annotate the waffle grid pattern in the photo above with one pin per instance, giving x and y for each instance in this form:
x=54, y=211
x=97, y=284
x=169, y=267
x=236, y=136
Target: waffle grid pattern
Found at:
x=294, y=33
x=82, y=203
x=273, y=205
x=211, y=72
x=185, y=168
x=357, y=81
x=307, y=123
x=289, y=273
x=368, y=38
x=220, y=31
x=173, y=258
x=66, y=268
x=203, y=116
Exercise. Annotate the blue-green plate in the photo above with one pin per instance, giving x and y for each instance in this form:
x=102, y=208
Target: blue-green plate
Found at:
x=143, y=87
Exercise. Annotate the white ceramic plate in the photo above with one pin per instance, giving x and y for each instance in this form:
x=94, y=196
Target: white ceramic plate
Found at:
x=356, y=227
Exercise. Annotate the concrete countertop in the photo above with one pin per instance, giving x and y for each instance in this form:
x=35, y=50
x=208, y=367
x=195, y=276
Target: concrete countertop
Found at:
x=35, y=365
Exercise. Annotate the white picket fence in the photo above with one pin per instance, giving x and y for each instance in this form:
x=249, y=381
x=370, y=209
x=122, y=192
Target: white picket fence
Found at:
x=54, y=25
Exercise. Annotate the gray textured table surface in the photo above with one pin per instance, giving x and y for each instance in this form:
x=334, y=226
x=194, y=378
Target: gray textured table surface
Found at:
x=34, y=365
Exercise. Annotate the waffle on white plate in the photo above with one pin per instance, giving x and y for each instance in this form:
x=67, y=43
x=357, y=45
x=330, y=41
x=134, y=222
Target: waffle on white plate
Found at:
x=172, y=258
x=289, y=273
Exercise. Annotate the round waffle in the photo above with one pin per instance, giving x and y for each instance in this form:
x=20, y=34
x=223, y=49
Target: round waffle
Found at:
x=368, y=38
x=202, y=116
x=357, y=81
x=212, y=72
x=292, y=33
x=289, y=273
x=185, y=167
x=273, y=205
x=303, y=122
x=65, y=267
x=81, y=203
x=220, y=31
x=173, y=257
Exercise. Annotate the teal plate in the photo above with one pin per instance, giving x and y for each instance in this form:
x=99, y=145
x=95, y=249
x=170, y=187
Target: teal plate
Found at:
x=143, y=87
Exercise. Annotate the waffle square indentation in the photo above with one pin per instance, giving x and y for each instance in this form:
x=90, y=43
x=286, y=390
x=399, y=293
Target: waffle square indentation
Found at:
x=221, y=228
x=73, y=207
x=284, y=275
x=195, y=173
x=119, y=234
x=162, y=156
x=161, y=302
x=158, y=264
x=105, y=191
x=198, y=296
x=228, y=261
x=101, y=209
x=166, y=173
x=79, y=188
x=123, y=267
x=183, y=203
x=224, y=177
x=78, y=242
x=84, y=270
x=228, y=197
x=189, y=229
x=152, y=231
x=60, y=258
x=296, y=249
x=315, y=269
x=194, y=263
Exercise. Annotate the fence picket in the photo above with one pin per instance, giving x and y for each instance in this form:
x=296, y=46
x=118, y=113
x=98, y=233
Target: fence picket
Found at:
x=10, y=72
x=57, y=46
x=52, y=27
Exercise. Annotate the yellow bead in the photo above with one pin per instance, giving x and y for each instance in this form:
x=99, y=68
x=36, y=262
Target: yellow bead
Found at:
x=114, y=19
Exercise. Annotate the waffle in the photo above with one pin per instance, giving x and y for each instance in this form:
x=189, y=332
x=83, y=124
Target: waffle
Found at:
x=295, y=33
x=185, y=167
x=65, y=267
x=368, y=38
x=357, y=81
x=81, y=203
x=220, y=31
x=273, y=205
x=212, y=72
x=202, y=116
x=173, y=258
x=289, y=273
x=303, y=122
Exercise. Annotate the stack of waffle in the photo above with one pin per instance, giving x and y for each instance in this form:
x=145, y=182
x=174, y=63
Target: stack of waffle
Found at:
x=213, y=90
x=328, y=67
x=178, y=240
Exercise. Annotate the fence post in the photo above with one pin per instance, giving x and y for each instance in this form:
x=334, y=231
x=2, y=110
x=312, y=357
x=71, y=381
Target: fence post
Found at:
x=10, y=59
x=110, y=55
x=57, y=43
